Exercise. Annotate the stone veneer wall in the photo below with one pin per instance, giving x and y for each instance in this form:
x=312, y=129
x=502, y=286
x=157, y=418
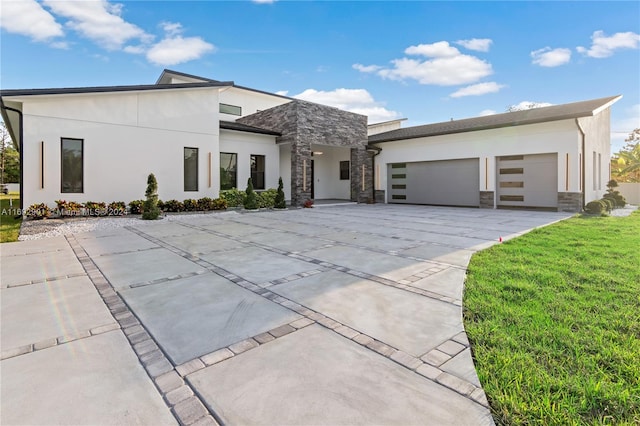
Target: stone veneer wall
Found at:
x=570, y=202
x=304, y=123
x=487, y=199
x=380, y=196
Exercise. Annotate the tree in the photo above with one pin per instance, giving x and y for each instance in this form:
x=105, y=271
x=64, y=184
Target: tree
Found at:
x=150, y=210
x=625, y=165
x=9, y=158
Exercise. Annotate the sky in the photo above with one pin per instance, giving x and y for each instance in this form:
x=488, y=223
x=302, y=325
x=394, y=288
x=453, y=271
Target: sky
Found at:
x=425, y=61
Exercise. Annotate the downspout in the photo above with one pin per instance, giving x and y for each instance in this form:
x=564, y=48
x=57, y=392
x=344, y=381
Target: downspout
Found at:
x=584, y=155
x=377, y=151
x=21, y=150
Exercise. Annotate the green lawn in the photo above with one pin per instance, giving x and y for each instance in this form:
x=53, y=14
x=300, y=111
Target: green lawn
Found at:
x=554, y=322
x=9, y=226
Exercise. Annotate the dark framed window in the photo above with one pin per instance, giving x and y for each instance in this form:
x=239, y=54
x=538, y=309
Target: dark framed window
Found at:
x=228, y=170
x=257, y=171
x=191, y=169
x=72, y=167
x=230, y=109
x=344, y=170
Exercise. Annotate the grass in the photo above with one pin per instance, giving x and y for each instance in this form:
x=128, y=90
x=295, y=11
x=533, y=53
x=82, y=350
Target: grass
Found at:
x=9, y=225
x=554, y=323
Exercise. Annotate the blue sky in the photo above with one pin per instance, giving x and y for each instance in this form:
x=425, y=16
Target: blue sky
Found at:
x=425, y=61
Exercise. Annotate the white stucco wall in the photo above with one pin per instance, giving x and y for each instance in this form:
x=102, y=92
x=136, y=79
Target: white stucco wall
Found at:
x=247, y=144
x=560, y=137
x=250, y=101
x=326, y=167
x=597, y=140
x=127, y=135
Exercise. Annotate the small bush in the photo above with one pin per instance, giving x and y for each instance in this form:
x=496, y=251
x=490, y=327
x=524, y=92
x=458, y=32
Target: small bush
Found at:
x=68, y=208
x=161, y=205
x=267, y=199
x=595, y=207
x=219, y=204
x=251, y=199
x=190, y=205
x=308, y=204
x=205, y=204
x=150, y=208
x=116, y=208
x=135, y=206
x=173, y=206
x=94, y=208
x=279, y=202
x=38, y=211
x=609, y=203
x=234, y=197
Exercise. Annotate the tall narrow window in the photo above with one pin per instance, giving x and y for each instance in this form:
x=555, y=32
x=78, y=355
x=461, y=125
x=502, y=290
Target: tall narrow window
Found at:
x=72, y=166
x=599, y=171
x=228, y=170
x=594, y=172
x=344, y=170
x=191, y=169
x=257, y=171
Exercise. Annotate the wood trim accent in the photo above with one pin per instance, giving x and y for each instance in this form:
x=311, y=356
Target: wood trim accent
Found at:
x=486, y=173
x=41, y=164
x=566, y=174
x=377, y=176
x=304, y=175
x=209, y=170
x=362, y=177
x=581, y=169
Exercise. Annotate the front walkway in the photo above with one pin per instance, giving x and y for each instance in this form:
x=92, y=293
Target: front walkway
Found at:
x=336, y=315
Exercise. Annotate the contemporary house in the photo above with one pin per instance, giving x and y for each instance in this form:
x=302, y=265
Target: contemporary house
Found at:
x=199, y=136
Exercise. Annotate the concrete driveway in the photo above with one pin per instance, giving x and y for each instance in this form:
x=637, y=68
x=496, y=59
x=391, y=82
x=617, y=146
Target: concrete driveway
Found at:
x=333, y=315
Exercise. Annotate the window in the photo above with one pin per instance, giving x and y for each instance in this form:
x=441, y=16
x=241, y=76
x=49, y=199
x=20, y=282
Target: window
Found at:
x=593, y=171
x=228, y=170
x=191, y=169
x=599, y=171
x=344, y=170
x=72, y=167
x=257, y=171
x=230, y=109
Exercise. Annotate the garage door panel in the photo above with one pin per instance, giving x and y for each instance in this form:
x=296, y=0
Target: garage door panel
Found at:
x=448, y=182
x=528, y=180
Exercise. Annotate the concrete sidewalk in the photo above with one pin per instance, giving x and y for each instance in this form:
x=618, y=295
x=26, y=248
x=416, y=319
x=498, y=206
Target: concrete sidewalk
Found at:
x=335, y=315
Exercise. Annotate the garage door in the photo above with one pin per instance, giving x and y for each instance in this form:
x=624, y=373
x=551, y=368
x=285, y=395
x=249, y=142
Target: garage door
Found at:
x=528, y=181
x=444, y=183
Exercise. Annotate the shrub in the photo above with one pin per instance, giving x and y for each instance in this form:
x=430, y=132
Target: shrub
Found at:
x=38, y=211
x=68, y=208
x=173, y=206
x=279, y=202
x=595, y=207
x=95, y=208
x=219, y=204
x=161, y=205
x=150, y=208
x=234, y=197
x=609, y=203
x=308, y=204
x=616, y=196
x=135, y=206
x=251, y=199
x=190, y=205
x=267, y=199
x=116, y=208
x=205, y=204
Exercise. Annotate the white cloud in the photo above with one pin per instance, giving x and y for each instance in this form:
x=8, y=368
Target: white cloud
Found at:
x=282, y=92
x=441, y=49
x=478, y=44
x=603, y=46
x=177, y=49
x=446, y=66
x=28, y=18
x=358, y=101
x=524, y=105
x=366, y=68
x=486, y=112
x=548, y=57
x=477, y=89
x=99, y=21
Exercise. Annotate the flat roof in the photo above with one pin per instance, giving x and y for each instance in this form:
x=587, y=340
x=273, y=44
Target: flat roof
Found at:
x=240, y=127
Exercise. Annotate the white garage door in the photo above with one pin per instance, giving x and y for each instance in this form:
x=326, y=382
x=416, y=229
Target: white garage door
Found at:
x=529, y=181
x=444, y=183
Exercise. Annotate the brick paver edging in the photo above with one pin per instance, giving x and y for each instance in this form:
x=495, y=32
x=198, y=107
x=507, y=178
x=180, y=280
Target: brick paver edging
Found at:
x=185, y=405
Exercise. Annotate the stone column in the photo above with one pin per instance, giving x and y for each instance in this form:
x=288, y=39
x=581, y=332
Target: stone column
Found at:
x=300, y=173
x=359, y=158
